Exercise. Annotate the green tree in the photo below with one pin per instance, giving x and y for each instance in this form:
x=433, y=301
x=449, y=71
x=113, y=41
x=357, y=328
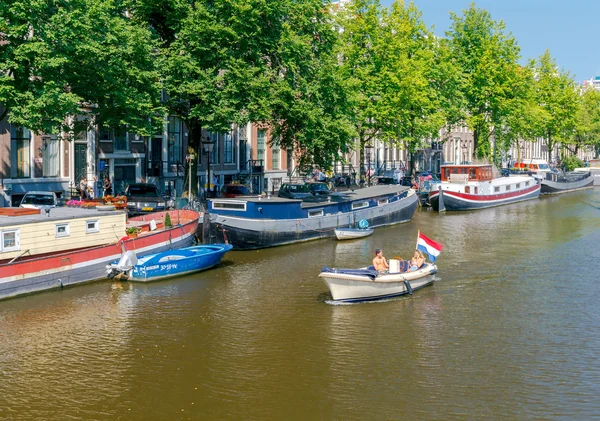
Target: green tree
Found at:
x=81, y=57
x=557, y=96
x=231, y=62
x=587, y=126
x=416, y=79
x=487, y=57
x=361, y=66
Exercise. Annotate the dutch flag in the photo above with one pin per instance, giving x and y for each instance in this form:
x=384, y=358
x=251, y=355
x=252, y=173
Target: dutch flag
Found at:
x=427, y=245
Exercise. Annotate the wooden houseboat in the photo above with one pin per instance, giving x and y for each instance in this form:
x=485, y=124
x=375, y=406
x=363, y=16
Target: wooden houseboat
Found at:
x=467, y=187
x=67, y=246
x=257, y=222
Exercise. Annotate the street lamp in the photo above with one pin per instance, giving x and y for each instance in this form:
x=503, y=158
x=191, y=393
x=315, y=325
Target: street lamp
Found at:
x=208, y=146
x=368, y=149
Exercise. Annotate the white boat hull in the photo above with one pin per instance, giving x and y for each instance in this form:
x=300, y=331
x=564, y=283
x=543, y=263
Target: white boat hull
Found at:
x=349, y=288
x=352, y=233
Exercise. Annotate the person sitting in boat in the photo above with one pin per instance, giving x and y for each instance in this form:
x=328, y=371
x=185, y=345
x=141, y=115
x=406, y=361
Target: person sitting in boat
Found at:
x=417, y=261
x=379, y=262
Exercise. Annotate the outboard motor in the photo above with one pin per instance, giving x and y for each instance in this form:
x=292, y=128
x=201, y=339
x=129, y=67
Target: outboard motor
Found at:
x=127, y=261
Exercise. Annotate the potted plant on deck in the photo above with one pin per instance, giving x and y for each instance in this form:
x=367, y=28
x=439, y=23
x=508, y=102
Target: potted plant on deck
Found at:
x=132, y=232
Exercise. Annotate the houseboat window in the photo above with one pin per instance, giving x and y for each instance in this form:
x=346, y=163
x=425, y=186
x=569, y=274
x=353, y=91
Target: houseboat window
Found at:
x=92, y=226
x=360, y=205
x=382, y=202
x=475, y=189
x=518, y=185
x=526, y=183
x=467, y=189
x=10, y=240
x=235, y=206
x=62, y=230
x=497, y=189
x=472, y=173
x=315, y=213
x=508, y=187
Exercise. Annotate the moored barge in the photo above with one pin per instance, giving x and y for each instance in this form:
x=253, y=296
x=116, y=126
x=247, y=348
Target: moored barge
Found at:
x=258, y=222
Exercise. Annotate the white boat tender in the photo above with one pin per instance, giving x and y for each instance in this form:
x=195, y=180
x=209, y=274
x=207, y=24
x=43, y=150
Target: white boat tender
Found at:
x=350, y=285
x=352, y=233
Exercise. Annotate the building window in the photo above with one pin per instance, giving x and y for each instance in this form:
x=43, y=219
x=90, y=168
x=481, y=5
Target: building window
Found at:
x=214, y=156
x=10, y=240
x=174, y=141
x=120, y=139
x=275, y=157
x=260, y=145
x=228, y=154
x=50, y=151
x=61, y=230
x=20, y=139
x=92, y=226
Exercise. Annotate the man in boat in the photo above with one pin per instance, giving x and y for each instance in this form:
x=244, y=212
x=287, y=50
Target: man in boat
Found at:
x=379, y=262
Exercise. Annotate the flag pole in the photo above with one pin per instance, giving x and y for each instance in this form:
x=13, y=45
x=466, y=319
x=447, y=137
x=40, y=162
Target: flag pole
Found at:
x=418, y=235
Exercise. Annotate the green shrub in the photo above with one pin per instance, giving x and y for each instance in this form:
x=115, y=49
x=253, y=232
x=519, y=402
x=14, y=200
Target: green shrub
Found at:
x=168, y=220
x=569, y=163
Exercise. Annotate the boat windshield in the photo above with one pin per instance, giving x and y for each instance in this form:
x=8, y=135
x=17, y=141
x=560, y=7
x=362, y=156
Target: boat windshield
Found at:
x=544, y=167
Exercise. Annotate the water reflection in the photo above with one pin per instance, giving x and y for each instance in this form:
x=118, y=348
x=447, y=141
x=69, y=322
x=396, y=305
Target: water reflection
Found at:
x=511, y=329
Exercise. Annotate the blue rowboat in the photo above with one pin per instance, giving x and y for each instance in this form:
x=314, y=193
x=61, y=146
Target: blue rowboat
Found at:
x=167, y=264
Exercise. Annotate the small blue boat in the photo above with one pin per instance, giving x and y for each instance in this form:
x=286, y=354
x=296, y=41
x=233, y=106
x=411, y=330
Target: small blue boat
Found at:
x=168, y=263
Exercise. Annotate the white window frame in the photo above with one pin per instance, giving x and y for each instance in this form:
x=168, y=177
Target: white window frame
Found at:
x=315, y=213
x=17, y=245
x=381, y=202
x=96, y=227
x=67, y=232
x=223, y=205
x=360, y=205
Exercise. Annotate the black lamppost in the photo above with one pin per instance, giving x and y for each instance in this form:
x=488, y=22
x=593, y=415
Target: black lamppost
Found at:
x=208, y=146
x=368, y=149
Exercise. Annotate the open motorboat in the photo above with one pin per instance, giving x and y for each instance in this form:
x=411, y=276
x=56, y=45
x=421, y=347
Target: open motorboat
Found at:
x=555, y=183
x=351, y=285
x=167, y=264
x=351, y=233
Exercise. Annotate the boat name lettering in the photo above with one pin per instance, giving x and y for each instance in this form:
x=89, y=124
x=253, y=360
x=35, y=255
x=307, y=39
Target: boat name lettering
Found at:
x=168, y=266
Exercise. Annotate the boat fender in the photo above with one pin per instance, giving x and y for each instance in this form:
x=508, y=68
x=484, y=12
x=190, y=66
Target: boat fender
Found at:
x=61, y=283
x=408, y=287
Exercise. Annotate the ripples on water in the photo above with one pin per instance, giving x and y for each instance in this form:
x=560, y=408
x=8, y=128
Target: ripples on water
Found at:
x=510, y=332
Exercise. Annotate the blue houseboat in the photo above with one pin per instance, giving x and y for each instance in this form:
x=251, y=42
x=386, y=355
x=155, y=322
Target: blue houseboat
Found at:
x=257, y=222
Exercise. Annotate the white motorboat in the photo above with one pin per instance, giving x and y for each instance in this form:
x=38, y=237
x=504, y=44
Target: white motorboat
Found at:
x=350, y=285
x=352, y=233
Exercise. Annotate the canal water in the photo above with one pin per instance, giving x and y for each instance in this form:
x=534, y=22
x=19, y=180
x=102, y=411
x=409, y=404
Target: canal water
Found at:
x=510, y=331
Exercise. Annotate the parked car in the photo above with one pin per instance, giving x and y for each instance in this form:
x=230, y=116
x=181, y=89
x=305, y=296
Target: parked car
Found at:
x=144, y=198
x=294, y=191
x=39, y=200
x=317, y=188
x=233, y=190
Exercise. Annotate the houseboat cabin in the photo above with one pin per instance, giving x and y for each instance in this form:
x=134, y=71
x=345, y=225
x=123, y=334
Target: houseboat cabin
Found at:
x=464, y=173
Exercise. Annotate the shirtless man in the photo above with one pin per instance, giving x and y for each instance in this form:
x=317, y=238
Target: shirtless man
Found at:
x=379, y=262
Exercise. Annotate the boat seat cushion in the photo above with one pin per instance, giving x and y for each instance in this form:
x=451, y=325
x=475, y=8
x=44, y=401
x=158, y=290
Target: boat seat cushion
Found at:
x=369, y=272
